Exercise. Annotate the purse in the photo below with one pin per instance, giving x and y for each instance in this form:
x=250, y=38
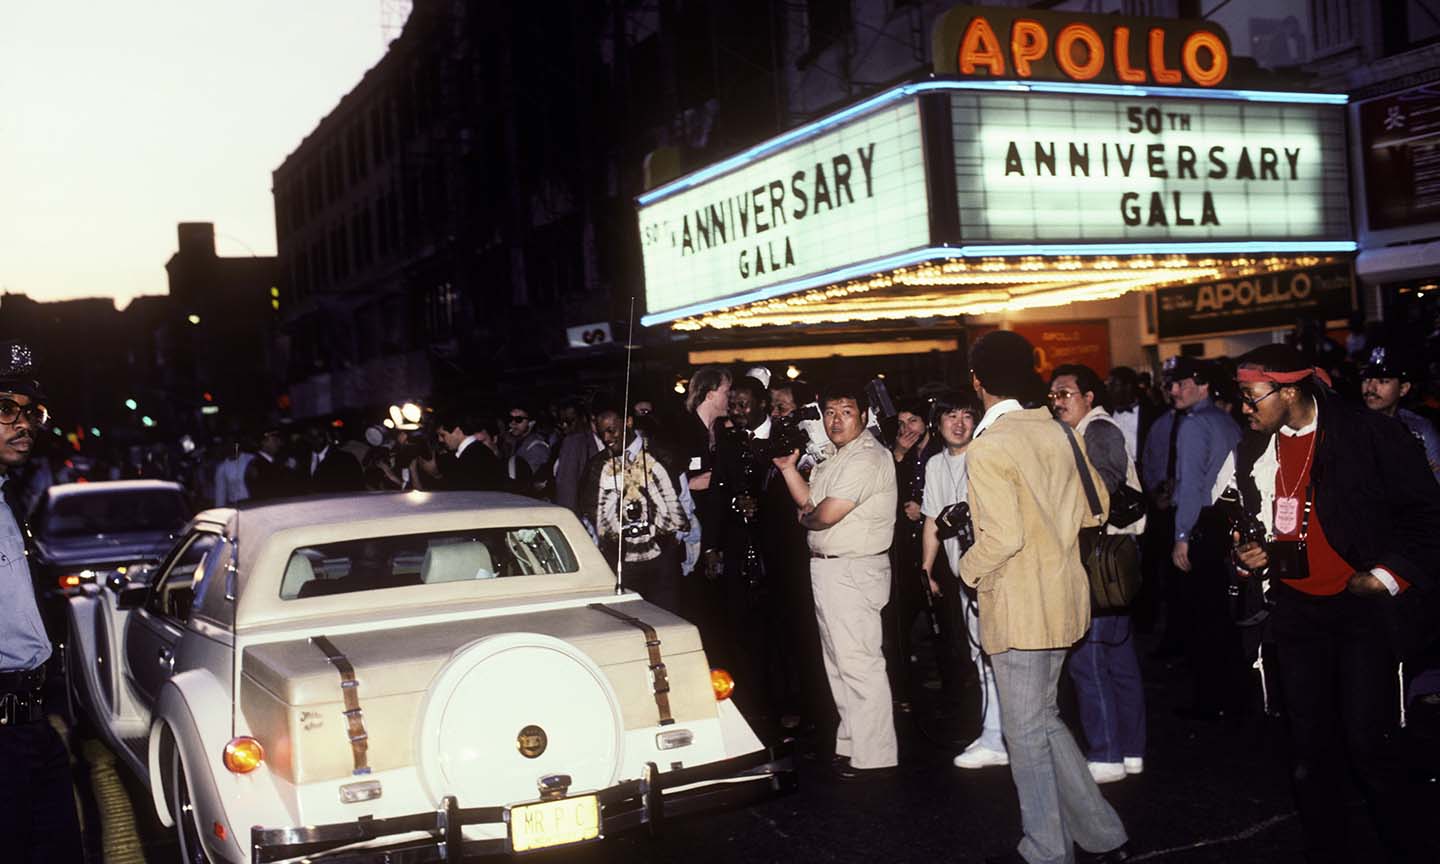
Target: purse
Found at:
x=1112, y=561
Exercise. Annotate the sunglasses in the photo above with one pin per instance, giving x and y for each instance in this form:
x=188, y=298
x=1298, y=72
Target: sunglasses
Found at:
x=10, y=411
x=1057, y=395
x=518, y=418
x=1253, y=403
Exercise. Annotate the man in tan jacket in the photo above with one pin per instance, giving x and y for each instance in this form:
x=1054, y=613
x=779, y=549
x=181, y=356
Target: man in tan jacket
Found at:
x=1028, y=506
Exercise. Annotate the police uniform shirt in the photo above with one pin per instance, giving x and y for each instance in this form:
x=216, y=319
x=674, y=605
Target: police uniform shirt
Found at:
x=23, y=643
x=862, y=471
x=945, y=485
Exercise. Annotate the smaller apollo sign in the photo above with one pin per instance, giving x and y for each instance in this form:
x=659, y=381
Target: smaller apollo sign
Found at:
x=1267, y=301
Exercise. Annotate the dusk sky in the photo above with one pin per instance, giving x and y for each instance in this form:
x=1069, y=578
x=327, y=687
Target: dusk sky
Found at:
x=121, y=119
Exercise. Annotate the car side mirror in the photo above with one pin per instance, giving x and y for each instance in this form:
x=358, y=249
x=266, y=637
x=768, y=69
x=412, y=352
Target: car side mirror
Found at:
x=131, y=596
x=130, y=590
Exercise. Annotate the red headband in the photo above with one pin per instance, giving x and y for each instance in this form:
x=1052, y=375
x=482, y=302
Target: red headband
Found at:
x=1250, y=375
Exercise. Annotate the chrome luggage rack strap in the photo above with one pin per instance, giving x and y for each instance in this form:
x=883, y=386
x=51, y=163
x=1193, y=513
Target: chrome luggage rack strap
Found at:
x=659, y=680
x=350, y=689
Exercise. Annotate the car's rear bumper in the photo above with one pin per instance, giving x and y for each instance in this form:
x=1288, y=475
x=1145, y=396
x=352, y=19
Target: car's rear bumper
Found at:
x=646, y=802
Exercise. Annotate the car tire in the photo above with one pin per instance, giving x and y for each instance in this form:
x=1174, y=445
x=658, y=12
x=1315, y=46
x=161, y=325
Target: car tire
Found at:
x=182, y=810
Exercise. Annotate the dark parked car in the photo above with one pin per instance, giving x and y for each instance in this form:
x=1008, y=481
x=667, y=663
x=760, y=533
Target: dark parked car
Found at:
x=84, y=532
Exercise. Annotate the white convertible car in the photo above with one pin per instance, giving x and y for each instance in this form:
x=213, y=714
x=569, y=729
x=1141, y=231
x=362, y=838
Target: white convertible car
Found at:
x=404, y=677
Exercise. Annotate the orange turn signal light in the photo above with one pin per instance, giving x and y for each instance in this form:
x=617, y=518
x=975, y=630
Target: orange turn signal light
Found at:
x=243, y=755
x=70, y=580
x=722, y=683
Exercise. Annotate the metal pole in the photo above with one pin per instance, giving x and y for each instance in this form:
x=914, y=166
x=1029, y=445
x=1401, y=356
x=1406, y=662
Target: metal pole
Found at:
x=624, y=420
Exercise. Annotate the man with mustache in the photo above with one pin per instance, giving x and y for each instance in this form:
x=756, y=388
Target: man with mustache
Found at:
x=37, y=804
x=1384, y=382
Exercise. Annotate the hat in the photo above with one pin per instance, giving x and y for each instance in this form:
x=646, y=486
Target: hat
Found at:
x=1384, y=363
x=1180, y=367
x=17, y=370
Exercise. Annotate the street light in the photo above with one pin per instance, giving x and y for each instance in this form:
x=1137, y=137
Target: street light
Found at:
x=193, y=319
x=131, y=404
x=147, y=421
x=792, y=372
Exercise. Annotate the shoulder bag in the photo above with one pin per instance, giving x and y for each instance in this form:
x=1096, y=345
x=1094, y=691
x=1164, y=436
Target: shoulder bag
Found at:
x=1112, y=561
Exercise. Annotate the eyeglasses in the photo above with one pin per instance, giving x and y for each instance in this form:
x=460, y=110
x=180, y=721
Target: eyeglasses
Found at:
x=35, y=415
x=518, y=418
x=1253, y=403
x=1057, y=395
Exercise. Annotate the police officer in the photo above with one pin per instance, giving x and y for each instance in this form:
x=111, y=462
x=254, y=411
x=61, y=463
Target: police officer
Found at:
x=37, y=804
x=1385, y=381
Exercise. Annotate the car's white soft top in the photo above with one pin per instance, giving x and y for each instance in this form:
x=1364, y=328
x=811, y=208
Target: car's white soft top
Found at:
x=268, y=533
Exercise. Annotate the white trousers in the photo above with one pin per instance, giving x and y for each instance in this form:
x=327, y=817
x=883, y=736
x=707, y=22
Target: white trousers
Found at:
x=990, y=733
x=849, y=594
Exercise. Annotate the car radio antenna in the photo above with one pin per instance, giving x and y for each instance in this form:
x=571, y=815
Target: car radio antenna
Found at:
x=624, y=419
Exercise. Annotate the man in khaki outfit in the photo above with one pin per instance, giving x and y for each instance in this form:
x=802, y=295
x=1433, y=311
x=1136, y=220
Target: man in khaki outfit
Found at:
x=848, y=507
x=1028, y=505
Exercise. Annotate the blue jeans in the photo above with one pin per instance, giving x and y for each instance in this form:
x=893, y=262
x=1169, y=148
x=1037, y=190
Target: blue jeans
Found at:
x=1060, y=805
x=1111, y=696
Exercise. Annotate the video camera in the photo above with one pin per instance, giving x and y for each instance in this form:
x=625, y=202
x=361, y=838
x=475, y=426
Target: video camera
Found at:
x=790, y=433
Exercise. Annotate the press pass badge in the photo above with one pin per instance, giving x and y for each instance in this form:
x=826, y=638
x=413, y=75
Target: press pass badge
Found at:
x=1287, y=515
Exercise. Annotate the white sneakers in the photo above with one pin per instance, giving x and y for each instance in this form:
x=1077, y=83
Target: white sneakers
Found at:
x=978, y=756
x=1107, y=772
x=1134, y=765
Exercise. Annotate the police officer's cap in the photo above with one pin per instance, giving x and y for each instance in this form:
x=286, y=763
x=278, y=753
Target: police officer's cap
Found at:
x=17, y=370
x=1385, y=363
x=1179, y=368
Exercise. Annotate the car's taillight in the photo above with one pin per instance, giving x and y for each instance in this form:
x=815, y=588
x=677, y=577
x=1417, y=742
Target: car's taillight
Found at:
x=75, y=580
x=722, y=684
x=243, y=755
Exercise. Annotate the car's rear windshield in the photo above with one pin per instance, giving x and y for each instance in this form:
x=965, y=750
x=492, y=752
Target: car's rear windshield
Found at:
x=117, y=512
x=423, y=559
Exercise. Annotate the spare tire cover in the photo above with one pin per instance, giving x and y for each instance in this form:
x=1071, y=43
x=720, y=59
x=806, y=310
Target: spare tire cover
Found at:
x=478, y=738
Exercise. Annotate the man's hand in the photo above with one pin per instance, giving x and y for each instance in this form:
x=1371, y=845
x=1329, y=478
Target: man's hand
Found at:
x=1251, y=555
x=786, y=461
x=712, y=564
x=934, y=586
x=1180, y=556
x=1366, y=584
x=912, y=511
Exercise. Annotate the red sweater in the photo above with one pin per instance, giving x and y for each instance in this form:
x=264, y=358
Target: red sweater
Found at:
x=1329, y=573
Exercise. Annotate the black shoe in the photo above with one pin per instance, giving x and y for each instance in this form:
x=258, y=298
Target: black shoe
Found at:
x=849, y=772
x=1114, y=856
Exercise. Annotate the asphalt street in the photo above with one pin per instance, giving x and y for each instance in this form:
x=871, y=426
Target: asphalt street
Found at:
x=1212, y=791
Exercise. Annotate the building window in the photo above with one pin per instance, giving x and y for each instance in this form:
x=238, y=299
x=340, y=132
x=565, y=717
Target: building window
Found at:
x=440, y=304
x=1334, y=23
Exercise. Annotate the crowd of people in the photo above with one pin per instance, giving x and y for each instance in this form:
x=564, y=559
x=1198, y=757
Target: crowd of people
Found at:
x=1276, y=516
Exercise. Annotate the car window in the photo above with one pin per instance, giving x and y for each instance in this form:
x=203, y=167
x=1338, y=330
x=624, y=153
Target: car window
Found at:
x=424, y=559
x=214, y=584
x=173, y=592
x=85, y=514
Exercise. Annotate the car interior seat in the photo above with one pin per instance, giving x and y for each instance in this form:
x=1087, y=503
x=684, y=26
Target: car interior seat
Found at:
x=456, y=562
x=298, y=573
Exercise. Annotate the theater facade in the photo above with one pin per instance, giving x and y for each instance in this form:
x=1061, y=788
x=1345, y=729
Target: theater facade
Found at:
x=1102, y=184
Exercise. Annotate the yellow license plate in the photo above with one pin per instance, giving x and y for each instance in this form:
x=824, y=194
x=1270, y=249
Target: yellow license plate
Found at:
x=554, y=823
